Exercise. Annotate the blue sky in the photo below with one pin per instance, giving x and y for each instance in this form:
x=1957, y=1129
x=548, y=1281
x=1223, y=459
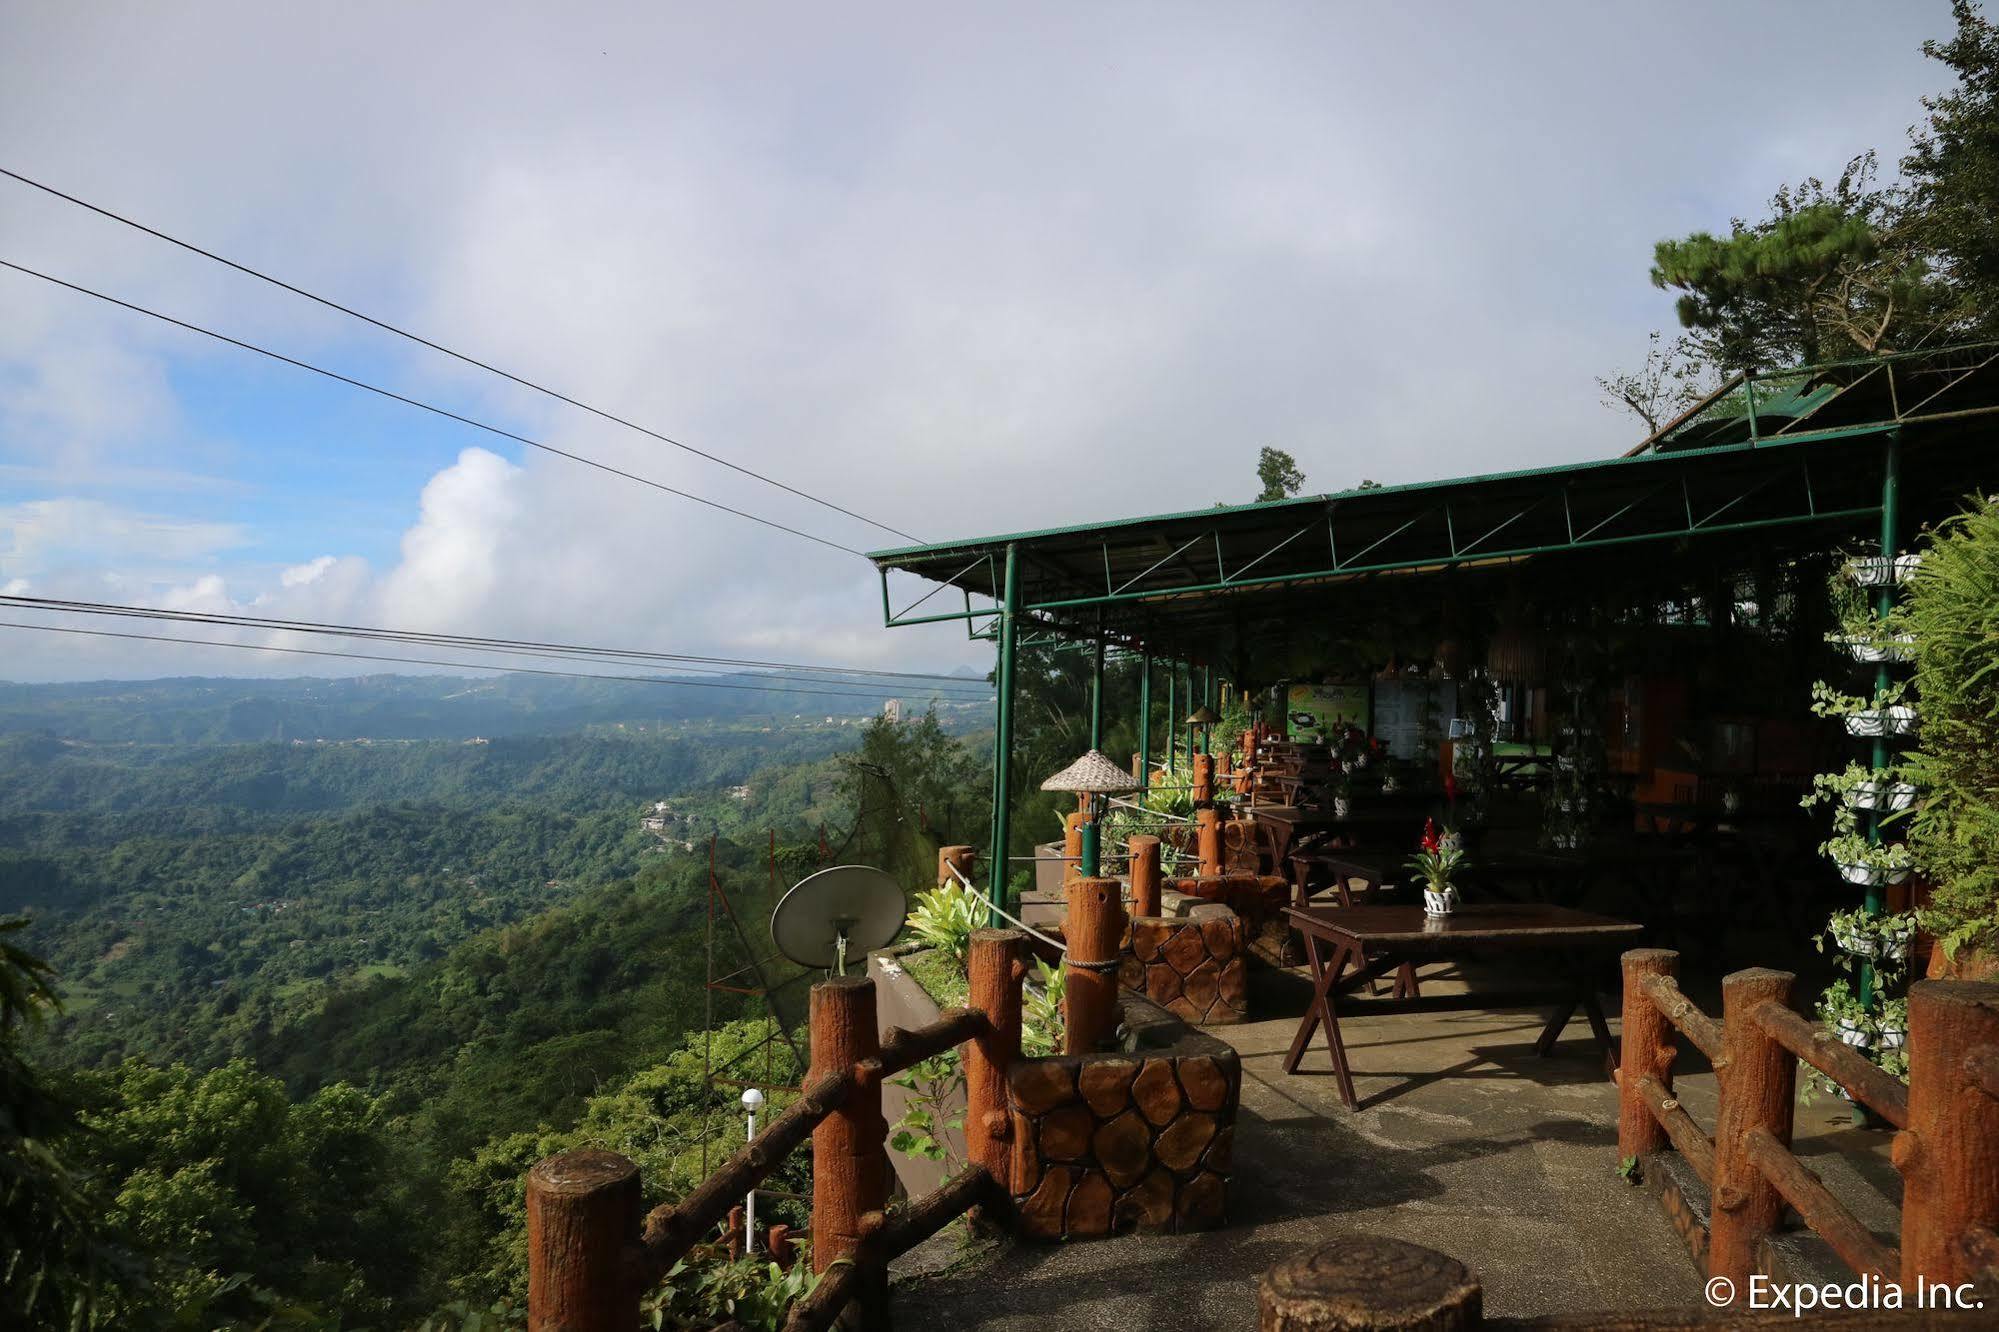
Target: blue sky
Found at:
x=966, y=269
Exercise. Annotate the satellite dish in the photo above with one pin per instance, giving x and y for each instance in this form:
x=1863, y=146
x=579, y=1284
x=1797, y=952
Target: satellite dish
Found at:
x=837, y=913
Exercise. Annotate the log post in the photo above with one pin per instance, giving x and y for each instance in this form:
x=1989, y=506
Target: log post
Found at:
x=1144, y=875
x=1208, y=839
x=1093, y=930
x=849, y=1161
x=779, y=1244
x=583, y=1221
x=960, y=856
x=1758, y=1080
x=1204, y=778
x=1949, y=1155
x=1072, y=846
x=1365, y=1282
x=1648, y=1052
x=735, y=1235
x=995, y=965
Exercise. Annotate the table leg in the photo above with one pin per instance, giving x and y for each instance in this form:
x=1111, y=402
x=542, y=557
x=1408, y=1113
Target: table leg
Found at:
x=1553, y=1031
x=1310, y=1022
x=1323, y=1012
x=1601, y=1030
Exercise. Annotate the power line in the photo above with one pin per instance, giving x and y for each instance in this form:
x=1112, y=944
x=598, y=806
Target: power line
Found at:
x=425, y=406
x=439, y=347
x=427, y=661
x=480, y=643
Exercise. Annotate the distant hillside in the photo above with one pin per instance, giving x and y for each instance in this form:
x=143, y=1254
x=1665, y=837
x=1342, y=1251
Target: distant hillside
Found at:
x=197, y=710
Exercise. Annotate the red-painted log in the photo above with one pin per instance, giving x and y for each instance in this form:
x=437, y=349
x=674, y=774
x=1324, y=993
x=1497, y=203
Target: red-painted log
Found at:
x=583, y=1220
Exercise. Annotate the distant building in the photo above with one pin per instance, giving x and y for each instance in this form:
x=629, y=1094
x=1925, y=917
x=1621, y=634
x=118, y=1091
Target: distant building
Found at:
x=892, y=711
x=739, y=793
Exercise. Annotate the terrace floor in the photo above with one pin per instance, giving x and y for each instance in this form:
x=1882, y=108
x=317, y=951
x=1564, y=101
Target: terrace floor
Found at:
x=1465, y=1142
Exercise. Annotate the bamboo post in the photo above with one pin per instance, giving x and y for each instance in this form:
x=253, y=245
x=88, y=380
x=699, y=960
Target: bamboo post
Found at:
x=995, y=966
x=1204, y=777
x=1208, y=840
x=961, y=857
x=1648, y=1052
x=1949, y=1155
x=1072, y=846
x=1144, y=875
x=849, y=1162
x=583, y=1220
x=1758, y=1085
x=1093, y=931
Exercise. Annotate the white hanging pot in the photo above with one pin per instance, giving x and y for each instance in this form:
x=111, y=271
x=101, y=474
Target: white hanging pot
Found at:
x=1892, y=1038
x=1853, y=1032
x=1895, y=948
x=1871, y=876
x=1897, y=720
x=1342, y=807
x=1881, y=570
x=1440, y=904
x=1854, y=944
x=1900, y=648
x=1890, y=797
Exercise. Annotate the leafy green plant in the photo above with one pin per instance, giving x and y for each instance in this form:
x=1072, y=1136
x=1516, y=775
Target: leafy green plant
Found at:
x=1628, y=1170
x=1830, y=702
x=923, y=1128
x=1042, y=1029
x=1864, y=862
x=1839, y=1008
x=1953, y=609
x=945, y=918
x=753, y=1292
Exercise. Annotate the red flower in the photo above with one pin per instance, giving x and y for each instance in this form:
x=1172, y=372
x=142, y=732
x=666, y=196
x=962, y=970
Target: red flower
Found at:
x=1430, y=840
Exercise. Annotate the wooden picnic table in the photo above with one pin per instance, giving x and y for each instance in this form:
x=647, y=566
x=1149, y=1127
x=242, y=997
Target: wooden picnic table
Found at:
x=1373, y=820
x=1351, y=946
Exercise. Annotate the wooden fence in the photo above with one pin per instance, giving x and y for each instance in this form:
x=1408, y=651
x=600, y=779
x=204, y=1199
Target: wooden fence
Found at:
x=1948, y=1114
x=591, y=1260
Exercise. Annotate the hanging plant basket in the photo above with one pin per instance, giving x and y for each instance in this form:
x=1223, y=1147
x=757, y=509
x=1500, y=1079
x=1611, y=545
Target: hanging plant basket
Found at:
x=1881, y=794
x=1897, y=720
x=1854, y=1032
x=1891, y=1038
x=1864, y=875
x=1902, y=647
x=1882, y=570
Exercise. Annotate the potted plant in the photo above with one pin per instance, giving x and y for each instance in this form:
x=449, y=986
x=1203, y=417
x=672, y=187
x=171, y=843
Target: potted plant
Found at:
x=1883, y=939
x=1883, y=714
x=1434, y=866
x=1845, y=1017
x=1865, y=864
x=1882, y=570
x=1891, y=1029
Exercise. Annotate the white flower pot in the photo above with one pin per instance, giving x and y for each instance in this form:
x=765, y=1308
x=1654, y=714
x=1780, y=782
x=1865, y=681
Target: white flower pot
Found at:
x=1871, y=876
x=1897, y=720
x=1342, y=807
x=1439, y=904
x=1854, y=1033
x=1900, y=648
x=1881, y=570
x=1892, y=1038
x=1855, y=945
x=1889, y=797
x=1567, y=841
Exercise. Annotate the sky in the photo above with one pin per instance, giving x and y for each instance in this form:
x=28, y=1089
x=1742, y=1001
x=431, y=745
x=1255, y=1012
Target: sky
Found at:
x=961, y=269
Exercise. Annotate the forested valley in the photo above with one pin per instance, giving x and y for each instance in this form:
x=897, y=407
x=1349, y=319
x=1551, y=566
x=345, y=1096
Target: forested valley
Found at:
x=287, y=1020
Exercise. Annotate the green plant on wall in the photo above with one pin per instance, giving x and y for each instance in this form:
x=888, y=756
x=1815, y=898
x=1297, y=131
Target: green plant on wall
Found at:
x=1952, y=611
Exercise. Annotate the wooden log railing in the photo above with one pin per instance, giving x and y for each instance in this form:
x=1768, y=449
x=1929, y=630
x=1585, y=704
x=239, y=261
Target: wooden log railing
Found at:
x=1947, y=1152
x=590, y=1260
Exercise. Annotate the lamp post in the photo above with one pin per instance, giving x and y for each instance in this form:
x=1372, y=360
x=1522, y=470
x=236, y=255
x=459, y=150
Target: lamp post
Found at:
x=1095, y=778
x=753, y=1101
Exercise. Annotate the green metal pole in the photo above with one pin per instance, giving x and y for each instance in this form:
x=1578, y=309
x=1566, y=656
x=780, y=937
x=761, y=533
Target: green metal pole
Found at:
x=1172, y=718
x=1097, y=689
x=1884, y=605
x=1207, y=701
x=1145, y=718
x=997, y=862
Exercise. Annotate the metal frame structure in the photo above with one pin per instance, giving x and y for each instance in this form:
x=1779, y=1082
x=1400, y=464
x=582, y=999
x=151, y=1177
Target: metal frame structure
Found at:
x=1770, y=465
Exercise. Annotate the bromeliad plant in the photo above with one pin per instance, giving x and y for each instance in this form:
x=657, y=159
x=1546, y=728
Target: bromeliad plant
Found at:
x=945, y=917
x=1434, y=866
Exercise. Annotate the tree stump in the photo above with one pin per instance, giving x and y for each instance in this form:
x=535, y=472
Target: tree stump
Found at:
x=1368, y=1282
x=583, y=1217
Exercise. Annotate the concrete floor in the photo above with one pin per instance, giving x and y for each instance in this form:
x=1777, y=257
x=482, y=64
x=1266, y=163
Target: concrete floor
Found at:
x=1465, y=1142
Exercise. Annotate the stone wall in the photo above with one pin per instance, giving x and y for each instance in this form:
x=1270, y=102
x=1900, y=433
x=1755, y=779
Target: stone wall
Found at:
x=1191, y=966
x=1128, y=1140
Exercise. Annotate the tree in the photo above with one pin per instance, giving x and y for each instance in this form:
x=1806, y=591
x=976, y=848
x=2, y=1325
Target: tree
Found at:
x=1834, y=270
x=1953, y=166
x=1278, y=472
x=1671, y=380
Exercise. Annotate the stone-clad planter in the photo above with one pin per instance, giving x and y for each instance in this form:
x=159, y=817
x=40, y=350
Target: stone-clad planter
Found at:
x=1192, y=966
x=1139, y=1138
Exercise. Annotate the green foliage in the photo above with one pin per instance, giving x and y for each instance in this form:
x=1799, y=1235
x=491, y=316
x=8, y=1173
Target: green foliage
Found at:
x=1042, y=1028
x=1277, y=474
x=945, y=918
x=1629, y=1170
x=1953, y=610
x=1953, y=166
x=754, y=1293
x=924, y=1128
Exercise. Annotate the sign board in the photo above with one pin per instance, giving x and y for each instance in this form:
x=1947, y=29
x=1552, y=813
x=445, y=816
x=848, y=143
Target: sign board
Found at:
x=1325, y=710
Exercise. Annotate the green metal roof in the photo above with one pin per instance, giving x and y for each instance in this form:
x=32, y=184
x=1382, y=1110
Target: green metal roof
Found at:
x=1769, y=464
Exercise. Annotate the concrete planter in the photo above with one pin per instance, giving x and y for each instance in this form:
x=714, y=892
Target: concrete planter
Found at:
x=900, y=1001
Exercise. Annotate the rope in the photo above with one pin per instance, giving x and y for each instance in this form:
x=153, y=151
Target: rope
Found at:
x=1001, y=911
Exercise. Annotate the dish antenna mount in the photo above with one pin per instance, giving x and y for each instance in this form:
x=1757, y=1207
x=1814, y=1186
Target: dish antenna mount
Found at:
x=838, y=912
